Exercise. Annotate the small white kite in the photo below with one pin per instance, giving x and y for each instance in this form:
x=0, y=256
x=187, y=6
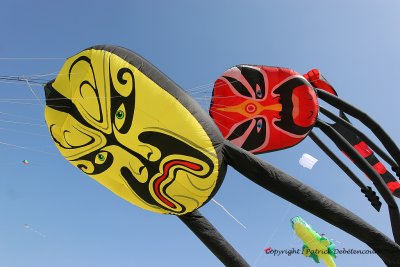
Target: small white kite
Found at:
x=307, y=161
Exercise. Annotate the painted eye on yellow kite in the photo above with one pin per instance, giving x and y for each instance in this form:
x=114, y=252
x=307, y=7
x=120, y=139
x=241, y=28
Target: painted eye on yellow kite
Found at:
x=101, y=158
x=120, y=117
x=120, y=114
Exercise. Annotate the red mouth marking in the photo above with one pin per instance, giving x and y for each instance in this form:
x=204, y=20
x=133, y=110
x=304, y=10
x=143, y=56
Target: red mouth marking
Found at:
x=167, y=167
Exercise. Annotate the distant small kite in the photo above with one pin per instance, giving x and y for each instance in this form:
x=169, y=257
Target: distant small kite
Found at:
x=307, y=161
x=25, y=162
x=27, y=226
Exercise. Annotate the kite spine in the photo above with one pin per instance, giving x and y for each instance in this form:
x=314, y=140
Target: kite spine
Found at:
x=212, y=239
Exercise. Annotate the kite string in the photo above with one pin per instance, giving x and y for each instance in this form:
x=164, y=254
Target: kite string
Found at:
x=32, y=58
x=230, y=214
x=23, y=132
x=19, y=103
x=26, y=123
x=273, y=233
x=30, y=88
x=33, y=80
x=26, y=80
x=27, y=148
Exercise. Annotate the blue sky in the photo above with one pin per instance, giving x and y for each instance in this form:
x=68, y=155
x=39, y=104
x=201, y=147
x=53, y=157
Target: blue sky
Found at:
x=76, y=222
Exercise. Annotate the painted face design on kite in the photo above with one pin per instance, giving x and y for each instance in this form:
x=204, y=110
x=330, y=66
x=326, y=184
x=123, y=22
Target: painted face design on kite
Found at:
x=108, y=119
x=263, y=108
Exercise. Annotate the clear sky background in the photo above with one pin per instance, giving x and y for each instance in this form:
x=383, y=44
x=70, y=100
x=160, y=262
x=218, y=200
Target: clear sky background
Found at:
x=73, y=221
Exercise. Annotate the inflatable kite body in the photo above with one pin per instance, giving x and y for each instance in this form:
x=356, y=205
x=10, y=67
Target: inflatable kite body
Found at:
x=98, y=115
x=125, y=124
x=315, y=246
x=261, y=109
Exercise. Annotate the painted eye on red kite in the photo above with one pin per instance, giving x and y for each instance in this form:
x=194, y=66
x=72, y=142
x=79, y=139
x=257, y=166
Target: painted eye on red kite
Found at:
x=259, y=125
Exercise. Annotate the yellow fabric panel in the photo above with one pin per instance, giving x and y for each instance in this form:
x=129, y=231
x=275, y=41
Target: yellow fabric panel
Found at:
x=86, y=79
